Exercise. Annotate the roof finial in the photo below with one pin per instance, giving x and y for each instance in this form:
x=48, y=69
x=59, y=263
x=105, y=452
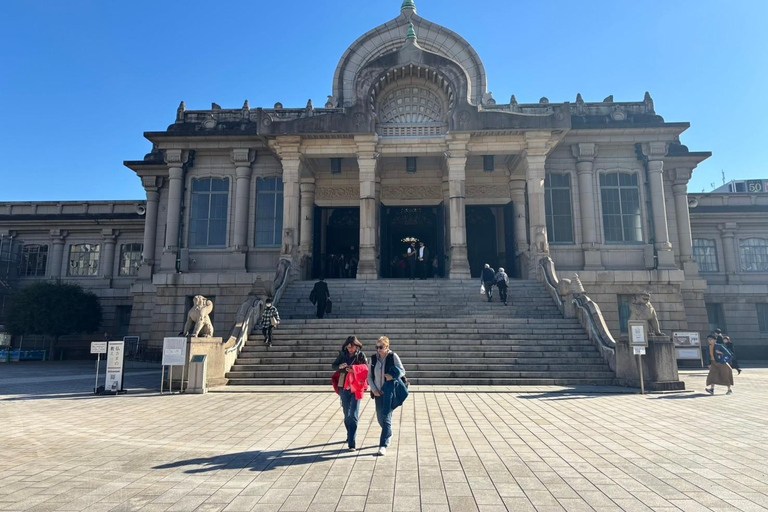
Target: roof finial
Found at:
x=408, y=5
x=411, y=32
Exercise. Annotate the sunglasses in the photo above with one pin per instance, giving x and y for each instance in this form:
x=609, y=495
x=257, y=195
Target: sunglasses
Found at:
x=379, y=347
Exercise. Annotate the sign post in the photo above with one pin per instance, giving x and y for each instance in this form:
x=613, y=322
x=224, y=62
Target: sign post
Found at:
x=98, y=348
x=638, y=340
x=688, y=346
x=174, y=354
x=113, y=380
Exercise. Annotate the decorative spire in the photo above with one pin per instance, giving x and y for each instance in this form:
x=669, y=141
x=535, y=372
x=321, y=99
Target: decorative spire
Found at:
x=408, y=5
x=411, y=32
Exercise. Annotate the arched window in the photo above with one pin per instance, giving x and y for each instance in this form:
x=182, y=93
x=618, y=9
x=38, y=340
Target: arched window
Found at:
x=620, y=196
x=34, y=260
x=557, y=199
x=269, y=212
x=208, y=216
x=754, y=254
x=84, y=260
x=705, y=254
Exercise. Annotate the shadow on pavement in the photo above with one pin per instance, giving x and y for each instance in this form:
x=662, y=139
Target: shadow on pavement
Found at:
x=263, y=460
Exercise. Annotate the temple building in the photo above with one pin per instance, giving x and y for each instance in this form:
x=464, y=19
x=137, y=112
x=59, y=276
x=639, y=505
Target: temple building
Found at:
x=412, y=145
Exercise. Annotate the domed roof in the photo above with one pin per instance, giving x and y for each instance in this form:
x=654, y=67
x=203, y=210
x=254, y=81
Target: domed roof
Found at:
x=391, y=36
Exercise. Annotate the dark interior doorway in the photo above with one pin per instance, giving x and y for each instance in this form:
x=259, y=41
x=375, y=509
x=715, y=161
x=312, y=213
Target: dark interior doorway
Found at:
x=423, y=223
x=336, y=242
x=482, y=246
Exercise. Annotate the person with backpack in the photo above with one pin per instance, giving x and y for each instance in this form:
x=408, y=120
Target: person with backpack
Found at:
x=720, y=372
x=729, y=345
x=389, y=388
x=487, y=279
x=351, y=355
x=501, y=280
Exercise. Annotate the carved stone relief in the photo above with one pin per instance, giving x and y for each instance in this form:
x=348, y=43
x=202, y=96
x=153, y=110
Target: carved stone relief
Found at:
x=411, y=192
x=487, y=191
x=337, y=193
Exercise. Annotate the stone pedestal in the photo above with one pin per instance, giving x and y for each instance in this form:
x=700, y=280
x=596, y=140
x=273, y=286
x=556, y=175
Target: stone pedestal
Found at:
x=659, y=365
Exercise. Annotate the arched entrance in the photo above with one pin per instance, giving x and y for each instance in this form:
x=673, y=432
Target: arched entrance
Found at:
x=337, y=242
x=423, y=223
x=482, y=246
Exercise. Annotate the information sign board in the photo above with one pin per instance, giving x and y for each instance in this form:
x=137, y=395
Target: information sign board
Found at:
x=754, y=186
x=637, y=334
x=639, y=351
x=98, y=347
x=174, y=351
x=113, y=380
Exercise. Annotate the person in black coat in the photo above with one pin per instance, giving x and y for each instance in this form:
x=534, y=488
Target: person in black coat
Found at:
x=319, y=296
x=410, y=257
x=422, y=259
x=488, y=278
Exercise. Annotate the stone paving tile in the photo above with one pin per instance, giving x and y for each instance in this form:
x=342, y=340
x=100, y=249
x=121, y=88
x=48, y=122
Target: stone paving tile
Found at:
x=453, y=450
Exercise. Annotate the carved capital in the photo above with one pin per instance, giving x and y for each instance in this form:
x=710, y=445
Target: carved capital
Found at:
x=655, y=150
x=584, y=151
x=728, y=229
x=59, y=235
x=243, y=157
x=151, y=183
x=683, y=175
x=176, y=157
x=110, y=235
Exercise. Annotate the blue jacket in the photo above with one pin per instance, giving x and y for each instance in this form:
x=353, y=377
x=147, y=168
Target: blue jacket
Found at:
x=394, y=391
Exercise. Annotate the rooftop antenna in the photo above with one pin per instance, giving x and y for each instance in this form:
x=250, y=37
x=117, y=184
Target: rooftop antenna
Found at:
x=722, y=171
x=712, y=185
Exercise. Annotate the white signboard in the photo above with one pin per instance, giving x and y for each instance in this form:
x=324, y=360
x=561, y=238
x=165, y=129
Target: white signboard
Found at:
x=687, y=345
x=688, y=353
x=113, y=380
x=174, y=351
x=5, y=339
x=637, y=334
x=639, y=351
x=98, y=347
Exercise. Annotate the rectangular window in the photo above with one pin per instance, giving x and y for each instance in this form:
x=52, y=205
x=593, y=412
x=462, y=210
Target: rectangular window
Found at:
x=762, y=316
x=34, y=261
x=557, y=202
x=705, y=254
x=123, y=320
x=130, y=259
x=84, y=260
x=620, y=195
x=716, y=317
x=624, y=312
x=335, y=165
x=208, y=217
x=754, y=254
x=489, y=165
x=269, y=213
x=411, y=164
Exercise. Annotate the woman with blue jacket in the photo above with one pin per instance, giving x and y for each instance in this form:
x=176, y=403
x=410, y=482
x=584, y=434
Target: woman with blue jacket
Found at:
x=387, y=382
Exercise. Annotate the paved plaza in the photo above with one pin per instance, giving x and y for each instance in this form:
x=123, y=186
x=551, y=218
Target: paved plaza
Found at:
x=545, y=450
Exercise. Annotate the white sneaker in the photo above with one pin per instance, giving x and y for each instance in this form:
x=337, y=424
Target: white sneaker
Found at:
x=382, y=451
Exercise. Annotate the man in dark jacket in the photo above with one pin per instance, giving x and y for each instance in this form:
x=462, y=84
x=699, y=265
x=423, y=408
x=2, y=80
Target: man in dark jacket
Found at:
x=319, y=296
x=488, y=278
x=422, y=260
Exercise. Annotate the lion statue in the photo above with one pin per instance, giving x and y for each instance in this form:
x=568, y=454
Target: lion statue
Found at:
x=198, y=319
x=641, y=309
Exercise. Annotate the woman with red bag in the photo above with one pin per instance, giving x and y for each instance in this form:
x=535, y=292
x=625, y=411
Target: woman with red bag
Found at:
x=351, y=355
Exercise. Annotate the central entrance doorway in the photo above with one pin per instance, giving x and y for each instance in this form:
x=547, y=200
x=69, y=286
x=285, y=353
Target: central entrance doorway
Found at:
x=399, y=225
x=336, y=243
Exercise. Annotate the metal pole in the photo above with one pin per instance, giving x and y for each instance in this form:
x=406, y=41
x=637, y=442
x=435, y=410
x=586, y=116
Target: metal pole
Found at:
x=642, y=383
x=170, y=379
x=98, y=361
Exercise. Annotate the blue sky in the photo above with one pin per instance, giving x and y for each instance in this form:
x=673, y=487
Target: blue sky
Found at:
x=81, y=80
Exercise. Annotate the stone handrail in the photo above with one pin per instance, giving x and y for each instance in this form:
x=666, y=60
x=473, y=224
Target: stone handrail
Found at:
x=551, y=281
x=573, y=302
x=281, y=279
x=592, y=319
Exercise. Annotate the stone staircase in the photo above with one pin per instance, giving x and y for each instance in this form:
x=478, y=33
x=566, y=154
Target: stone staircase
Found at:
x=445, y=332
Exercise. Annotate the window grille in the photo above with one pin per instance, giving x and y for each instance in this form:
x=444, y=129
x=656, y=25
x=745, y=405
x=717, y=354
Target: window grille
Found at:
x=84, y=260
x=34, y=260
x=208, y=218
x=705, y=254
x=754, y=254
x=269, y=213
x=620, y=195
x=130, y=259
x=557, y=202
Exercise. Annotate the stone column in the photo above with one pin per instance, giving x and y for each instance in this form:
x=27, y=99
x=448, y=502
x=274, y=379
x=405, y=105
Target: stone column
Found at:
x=151, y=185
x=685, y=244
x=655, y=151
x=456, y=158
x=107, y=259
x=585, y=163
x=242, y=158
x=517, y=192
x=534, y=159
x=175, y=158
x=366, y=162
x=307, y=222
x=290, y=158
x=57, y=253
x=728, y=234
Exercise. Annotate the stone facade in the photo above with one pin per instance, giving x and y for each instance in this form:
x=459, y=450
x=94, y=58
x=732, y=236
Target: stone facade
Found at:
x=601, y=187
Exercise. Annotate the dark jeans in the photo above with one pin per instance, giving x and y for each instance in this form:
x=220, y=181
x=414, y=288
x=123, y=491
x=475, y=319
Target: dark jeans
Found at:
x=385, y=421
x=488, y=289
x=351, y=408
x=267, y=332
x=321, y=309
x=423, y=269
x=412, y=268
x=502, y=293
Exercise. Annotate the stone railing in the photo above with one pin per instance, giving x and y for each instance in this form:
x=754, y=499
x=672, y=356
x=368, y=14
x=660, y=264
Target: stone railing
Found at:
x=571, y=299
